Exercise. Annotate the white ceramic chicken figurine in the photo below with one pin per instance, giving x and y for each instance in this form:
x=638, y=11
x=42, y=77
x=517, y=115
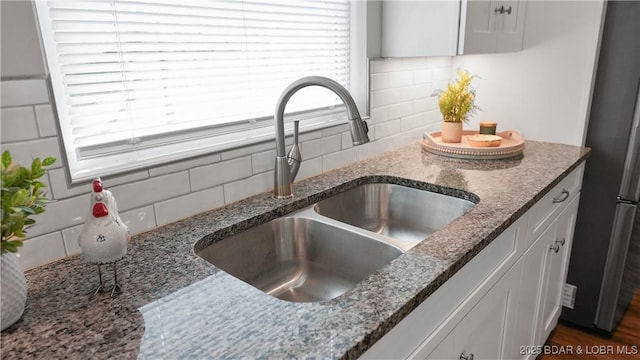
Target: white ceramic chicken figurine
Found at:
x=104, y=236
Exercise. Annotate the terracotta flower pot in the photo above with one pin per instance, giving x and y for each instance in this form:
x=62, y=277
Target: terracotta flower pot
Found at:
x=451, y=132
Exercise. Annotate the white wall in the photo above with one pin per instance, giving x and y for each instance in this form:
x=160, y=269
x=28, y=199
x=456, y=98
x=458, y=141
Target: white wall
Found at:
x=401, y=109
x=544, y=90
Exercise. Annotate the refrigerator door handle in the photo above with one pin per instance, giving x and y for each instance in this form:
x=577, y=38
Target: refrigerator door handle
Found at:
x=608, y=313
x=630, y=186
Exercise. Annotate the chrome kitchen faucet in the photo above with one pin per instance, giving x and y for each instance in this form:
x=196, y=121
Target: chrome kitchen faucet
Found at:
x=287, y=165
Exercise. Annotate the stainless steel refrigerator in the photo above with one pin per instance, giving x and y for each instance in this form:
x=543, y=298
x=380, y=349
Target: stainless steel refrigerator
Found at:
x=605, y=258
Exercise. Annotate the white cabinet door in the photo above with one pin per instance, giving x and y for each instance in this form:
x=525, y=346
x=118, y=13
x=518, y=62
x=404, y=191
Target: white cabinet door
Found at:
x=557, y=272
x=510, y=25
x=478, y=30
x=531, y=293
x=486, y=331
x=491, y=26
x=544, y=273
x=419, y=28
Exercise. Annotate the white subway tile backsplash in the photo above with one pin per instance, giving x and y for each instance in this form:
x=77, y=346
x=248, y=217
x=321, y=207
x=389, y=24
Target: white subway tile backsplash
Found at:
x=241, y=189
x=379, y=81
x=40, y=250
x=386, y=65
x=139, y=220
x=399, y=110
x=414, y=63
x=223, y=172
x=386, y=129
x=60, y=214
x=263, y=161
x=400, y=79
x=441, y=74
x=434, y=116
x=140, y=193
x=70, y=238
x=416, y=92
x=18, y=124
x=25, y=151
x=422, y=76
x=23, y=92
x=319, y=147
x=387, y=96
x=339, y=159
x=46, y=120
x=338, y=129
x=247, y=150
x=378, y=115
x=424, y=104
x=414, y=121
x=61, y=190
x=308, y=168
x=185, y=165
x=187, y=205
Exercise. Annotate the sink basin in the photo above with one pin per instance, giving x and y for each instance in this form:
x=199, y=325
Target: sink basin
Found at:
x=300, y=259
x=393, y=210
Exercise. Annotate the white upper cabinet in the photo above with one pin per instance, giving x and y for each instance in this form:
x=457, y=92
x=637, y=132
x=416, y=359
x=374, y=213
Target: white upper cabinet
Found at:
x=447, y=28
x=491, y=26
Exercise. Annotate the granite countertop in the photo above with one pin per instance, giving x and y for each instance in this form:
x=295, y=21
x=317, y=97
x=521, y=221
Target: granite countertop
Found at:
x=176, y=305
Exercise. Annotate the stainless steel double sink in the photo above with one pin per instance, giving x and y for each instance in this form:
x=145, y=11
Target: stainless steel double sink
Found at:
x=322, y=251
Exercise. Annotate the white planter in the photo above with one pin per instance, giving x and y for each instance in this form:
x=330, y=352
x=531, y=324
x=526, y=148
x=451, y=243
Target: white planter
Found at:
x=13, y=289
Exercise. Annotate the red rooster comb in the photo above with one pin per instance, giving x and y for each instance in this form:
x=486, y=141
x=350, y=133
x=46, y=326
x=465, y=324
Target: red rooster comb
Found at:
x=97, y=185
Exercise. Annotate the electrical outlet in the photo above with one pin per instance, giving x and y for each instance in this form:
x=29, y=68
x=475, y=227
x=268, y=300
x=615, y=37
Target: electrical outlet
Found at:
x=569, y=295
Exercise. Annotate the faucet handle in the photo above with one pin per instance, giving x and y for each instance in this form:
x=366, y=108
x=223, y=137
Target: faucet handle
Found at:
x=359, y=130
x=294, y=157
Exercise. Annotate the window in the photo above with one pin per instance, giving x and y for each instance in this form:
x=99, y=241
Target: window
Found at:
x=139, y=82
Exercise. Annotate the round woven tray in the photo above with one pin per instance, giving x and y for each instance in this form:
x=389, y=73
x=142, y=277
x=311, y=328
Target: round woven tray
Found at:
x=512, y=145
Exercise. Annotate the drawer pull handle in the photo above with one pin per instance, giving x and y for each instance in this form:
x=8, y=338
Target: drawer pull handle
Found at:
x=562, y=197
x=555, y=247
x=508, y=11
x=501, y=11
x=464, y=356
x=561, y=241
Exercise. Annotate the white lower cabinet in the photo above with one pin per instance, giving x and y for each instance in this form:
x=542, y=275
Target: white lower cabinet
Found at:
x=504, y=303
x=556, y=264
x=486, y=331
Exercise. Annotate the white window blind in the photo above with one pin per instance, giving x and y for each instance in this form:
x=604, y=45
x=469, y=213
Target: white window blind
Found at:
x=141, y=82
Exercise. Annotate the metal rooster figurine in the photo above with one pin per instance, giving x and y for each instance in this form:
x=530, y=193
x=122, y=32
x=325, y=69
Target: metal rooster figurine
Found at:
x=104, y=236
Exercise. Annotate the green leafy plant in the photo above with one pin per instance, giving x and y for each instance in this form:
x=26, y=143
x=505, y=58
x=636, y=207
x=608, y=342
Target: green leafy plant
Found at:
x=457, y=102
x=22, y=197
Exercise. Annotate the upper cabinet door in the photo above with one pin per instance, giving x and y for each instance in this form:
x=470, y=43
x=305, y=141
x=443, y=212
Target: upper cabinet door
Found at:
x=510, y=31
x=491, y=26
x=417, y=28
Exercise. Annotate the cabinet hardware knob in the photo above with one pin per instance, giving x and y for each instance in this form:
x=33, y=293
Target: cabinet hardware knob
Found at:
x=562, y=241
x=464, y=356
x=562, y=197
x=508, y=11
x=555, y=247
x=499, y=10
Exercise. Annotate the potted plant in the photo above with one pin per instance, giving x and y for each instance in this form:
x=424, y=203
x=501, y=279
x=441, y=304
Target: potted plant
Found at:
x=456, y=105
x=22, y=197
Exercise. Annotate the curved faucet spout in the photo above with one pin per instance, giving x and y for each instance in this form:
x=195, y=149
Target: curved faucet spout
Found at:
x=358, y=128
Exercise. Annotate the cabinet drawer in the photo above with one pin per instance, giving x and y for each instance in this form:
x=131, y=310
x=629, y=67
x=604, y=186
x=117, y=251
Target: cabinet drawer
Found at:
x=549, y=207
